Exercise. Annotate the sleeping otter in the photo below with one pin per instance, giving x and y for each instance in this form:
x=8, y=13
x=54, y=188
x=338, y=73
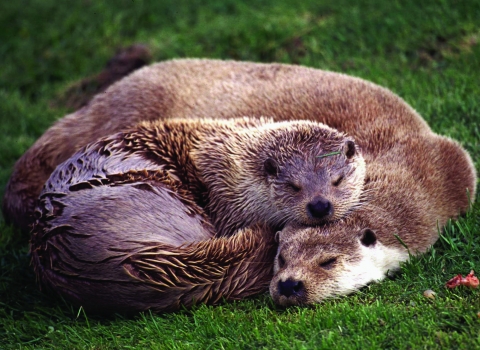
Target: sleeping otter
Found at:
x=241, y=171
x=122, y=225
x=411, y=197
x=193, y=88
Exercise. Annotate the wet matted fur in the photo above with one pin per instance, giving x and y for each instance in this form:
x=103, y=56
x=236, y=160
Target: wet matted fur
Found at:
x=128, y=223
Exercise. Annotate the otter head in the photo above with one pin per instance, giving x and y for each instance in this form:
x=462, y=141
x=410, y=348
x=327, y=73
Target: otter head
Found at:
x=256, y=170
x=313, y=173
x=318, y=262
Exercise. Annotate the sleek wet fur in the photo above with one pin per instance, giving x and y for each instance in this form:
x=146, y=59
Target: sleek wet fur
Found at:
x=410, y=193
x=128, y=214
x=193, y=88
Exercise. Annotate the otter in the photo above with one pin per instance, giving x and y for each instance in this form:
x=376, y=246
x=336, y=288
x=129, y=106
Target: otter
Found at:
x=409, y=197
x=382, y=123
x=193, y=88
x=96, y=254
x=240, y=171
x=122, y=225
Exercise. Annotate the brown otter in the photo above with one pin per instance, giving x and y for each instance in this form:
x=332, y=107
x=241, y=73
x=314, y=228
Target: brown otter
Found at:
x=409, y=196
x=108, y=260
x=241, y=171
x=119, y=226
x=191, y=88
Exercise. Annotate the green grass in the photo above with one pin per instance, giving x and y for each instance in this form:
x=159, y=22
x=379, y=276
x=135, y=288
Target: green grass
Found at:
x=428, y=52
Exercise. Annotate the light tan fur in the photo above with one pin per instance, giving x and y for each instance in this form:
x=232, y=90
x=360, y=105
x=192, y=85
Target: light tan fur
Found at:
x=195, y=88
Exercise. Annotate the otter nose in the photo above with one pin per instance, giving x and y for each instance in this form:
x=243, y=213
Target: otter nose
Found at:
x=290, y=287
x=319, y=207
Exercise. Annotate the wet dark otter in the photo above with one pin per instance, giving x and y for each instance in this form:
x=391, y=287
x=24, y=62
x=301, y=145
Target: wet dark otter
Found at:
x=241, y=171
x=122, y=224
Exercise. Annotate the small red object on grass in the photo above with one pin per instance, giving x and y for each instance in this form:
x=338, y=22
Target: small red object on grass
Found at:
x=469, y=281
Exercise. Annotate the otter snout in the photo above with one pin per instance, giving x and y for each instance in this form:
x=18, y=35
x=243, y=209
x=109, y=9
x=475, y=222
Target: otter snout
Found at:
x=319, y=208
x=291, y=287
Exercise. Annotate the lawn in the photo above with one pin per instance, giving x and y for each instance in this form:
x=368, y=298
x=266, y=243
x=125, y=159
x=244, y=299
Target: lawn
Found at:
x=427, y=52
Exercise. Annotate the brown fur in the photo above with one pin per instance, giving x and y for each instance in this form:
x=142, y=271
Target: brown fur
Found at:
x=221, y=164
x=113, y=272
x=220, y=89
x=390, y=133
x=121, y=225
x=411, y=193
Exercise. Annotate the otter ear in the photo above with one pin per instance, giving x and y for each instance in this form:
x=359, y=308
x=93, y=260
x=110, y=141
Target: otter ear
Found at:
x=349, y=149
x=277, y=237
x=368, y=238
x=271, y=167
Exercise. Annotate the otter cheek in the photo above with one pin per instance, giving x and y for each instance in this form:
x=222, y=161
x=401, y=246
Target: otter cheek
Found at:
x=275, y=266
x=325, y=288
x=274, y=290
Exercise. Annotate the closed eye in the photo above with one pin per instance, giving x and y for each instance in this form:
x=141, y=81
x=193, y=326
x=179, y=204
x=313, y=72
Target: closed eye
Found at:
x=328, y=264
x=338, y=180
x=294, y=187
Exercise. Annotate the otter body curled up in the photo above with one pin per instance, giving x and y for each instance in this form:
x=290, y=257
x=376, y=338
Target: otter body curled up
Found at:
x=122, y=225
